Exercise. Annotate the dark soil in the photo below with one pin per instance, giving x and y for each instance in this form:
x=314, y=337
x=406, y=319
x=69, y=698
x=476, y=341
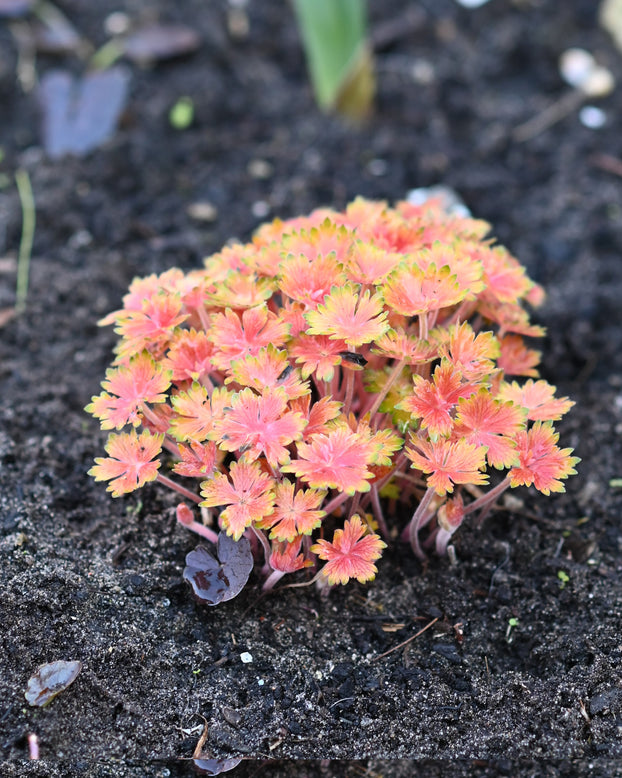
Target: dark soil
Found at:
x=90, y=578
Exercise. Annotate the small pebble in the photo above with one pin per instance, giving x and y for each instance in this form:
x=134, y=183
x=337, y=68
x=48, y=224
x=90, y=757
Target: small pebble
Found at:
x=260, y=209
x=202, y=211
x=260, y=169
x=422, y=72
x=580, y=70
x=117, y=23
x=471, y=3
x=377, y=167
x=246, y=657
x=575, y=66
x=592, y=117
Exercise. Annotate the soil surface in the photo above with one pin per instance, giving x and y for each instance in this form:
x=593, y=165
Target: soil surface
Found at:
x=90, y=578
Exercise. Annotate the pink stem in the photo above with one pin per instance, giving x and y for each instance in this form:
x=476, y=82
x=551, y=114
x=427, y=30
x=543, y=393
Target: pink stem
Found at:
x=335, y=503
x=419, y=520
x=377, y=507
x=274, y=577
x=267, y=551
x=485, y=500
x=165, y=481
x=202, y=530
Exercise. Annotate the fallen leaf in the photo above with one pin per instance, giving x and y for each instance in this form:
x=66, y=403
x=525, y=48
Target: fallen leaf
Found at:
x=215, y=766
x=50, y=680
x=159, y=42
x=80, y=114
x=216, y=581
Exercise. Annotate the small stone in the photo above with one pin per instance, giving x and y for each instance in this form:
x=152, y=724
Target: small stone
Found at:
x=260, y=209
x=202, y=211
x=592, y=117
x=575, y=66
x=246, y=657
x=260, y=169
x=471, y=3
x=117, y=23
x=378, y=167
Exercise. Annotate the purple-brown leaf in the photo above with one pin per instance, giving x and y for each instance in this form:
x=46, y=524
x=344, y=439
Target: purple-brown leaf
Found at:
x=216, y=581
x=80, y=114
x=215, y=766
x=159, y=42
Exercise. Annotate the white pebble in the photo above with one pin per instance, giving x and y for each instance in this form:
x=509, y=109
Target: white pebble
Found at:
x=260, y=209
x=592, y=117
x=471, y=3
x=246, y=657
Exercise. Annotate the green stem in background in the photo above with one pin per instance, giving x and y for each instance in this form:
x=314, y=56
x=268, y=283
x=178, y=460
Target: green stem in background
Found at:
x=391, y=379
x=339, y=57
x=27, y=201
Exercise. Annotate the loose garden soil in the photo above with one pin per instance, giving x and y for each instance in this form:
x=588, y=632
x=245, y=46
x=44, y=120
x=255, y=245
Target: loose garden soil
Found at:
x=87, y=577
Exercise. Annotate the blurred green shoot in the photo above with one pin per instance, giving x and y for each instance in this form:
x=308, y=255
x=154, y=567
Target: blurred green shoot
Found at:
x=27, y=201
x=181, y=114
x=339, y=56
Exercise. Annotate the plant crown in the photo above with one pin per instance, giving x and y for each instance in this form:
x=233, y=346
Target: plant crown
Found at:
x=335, y=365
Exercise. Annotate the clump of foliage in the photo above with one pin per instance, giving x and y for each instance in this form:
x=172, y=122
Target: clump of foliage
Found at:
x=336, y=365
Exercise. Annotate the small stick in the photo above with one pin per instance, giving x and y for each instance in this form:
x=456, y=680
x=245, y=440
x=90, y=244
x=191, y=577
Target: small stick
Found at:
x=554, y=113
x=608, y=163
x=406, y=642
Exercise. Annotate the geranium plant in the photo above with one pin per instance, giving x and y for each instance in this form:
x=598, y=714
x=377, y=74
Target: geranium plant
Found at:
x=300, y=386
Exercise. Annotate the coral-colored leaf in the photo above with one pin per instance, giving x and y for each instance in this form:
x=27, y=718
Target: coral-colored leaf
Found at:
x=397, y=344
x=249, y=496
x=434, y=401
x=295, y=513
x=473, y=355
x=152, y=326
x=318, y=354
x=234, y=337
x=127, y=388
x=484, y=421
x=259, y=425
x=448, y=463
x=317, y=414
x=309, y=281
x=338, y=459
x=129, y=464
x=270, y=368
x=286, y=556
x=410, y=291
x=541, y=462
x=538, y=397
x=189, y=356
x=198, y=460
x=349, y=315
x=351, y=554
x=196, y=411
x=516, y=359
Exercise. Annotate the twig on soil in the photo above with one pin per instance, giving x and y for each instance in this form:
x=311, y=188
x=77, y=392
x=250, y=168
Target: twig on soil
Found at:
x=549, y=116
x=608, y=163
x=406, y=642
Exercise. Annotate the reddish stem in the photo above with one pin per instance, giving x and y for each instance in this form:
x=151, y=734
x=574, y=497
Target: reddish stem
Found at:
x=162, y=479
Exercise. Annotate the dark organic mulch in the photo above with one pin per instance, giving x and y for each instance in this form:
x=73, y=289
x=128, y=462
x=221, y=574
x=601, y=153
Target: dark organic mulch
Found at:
x=85, y=577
